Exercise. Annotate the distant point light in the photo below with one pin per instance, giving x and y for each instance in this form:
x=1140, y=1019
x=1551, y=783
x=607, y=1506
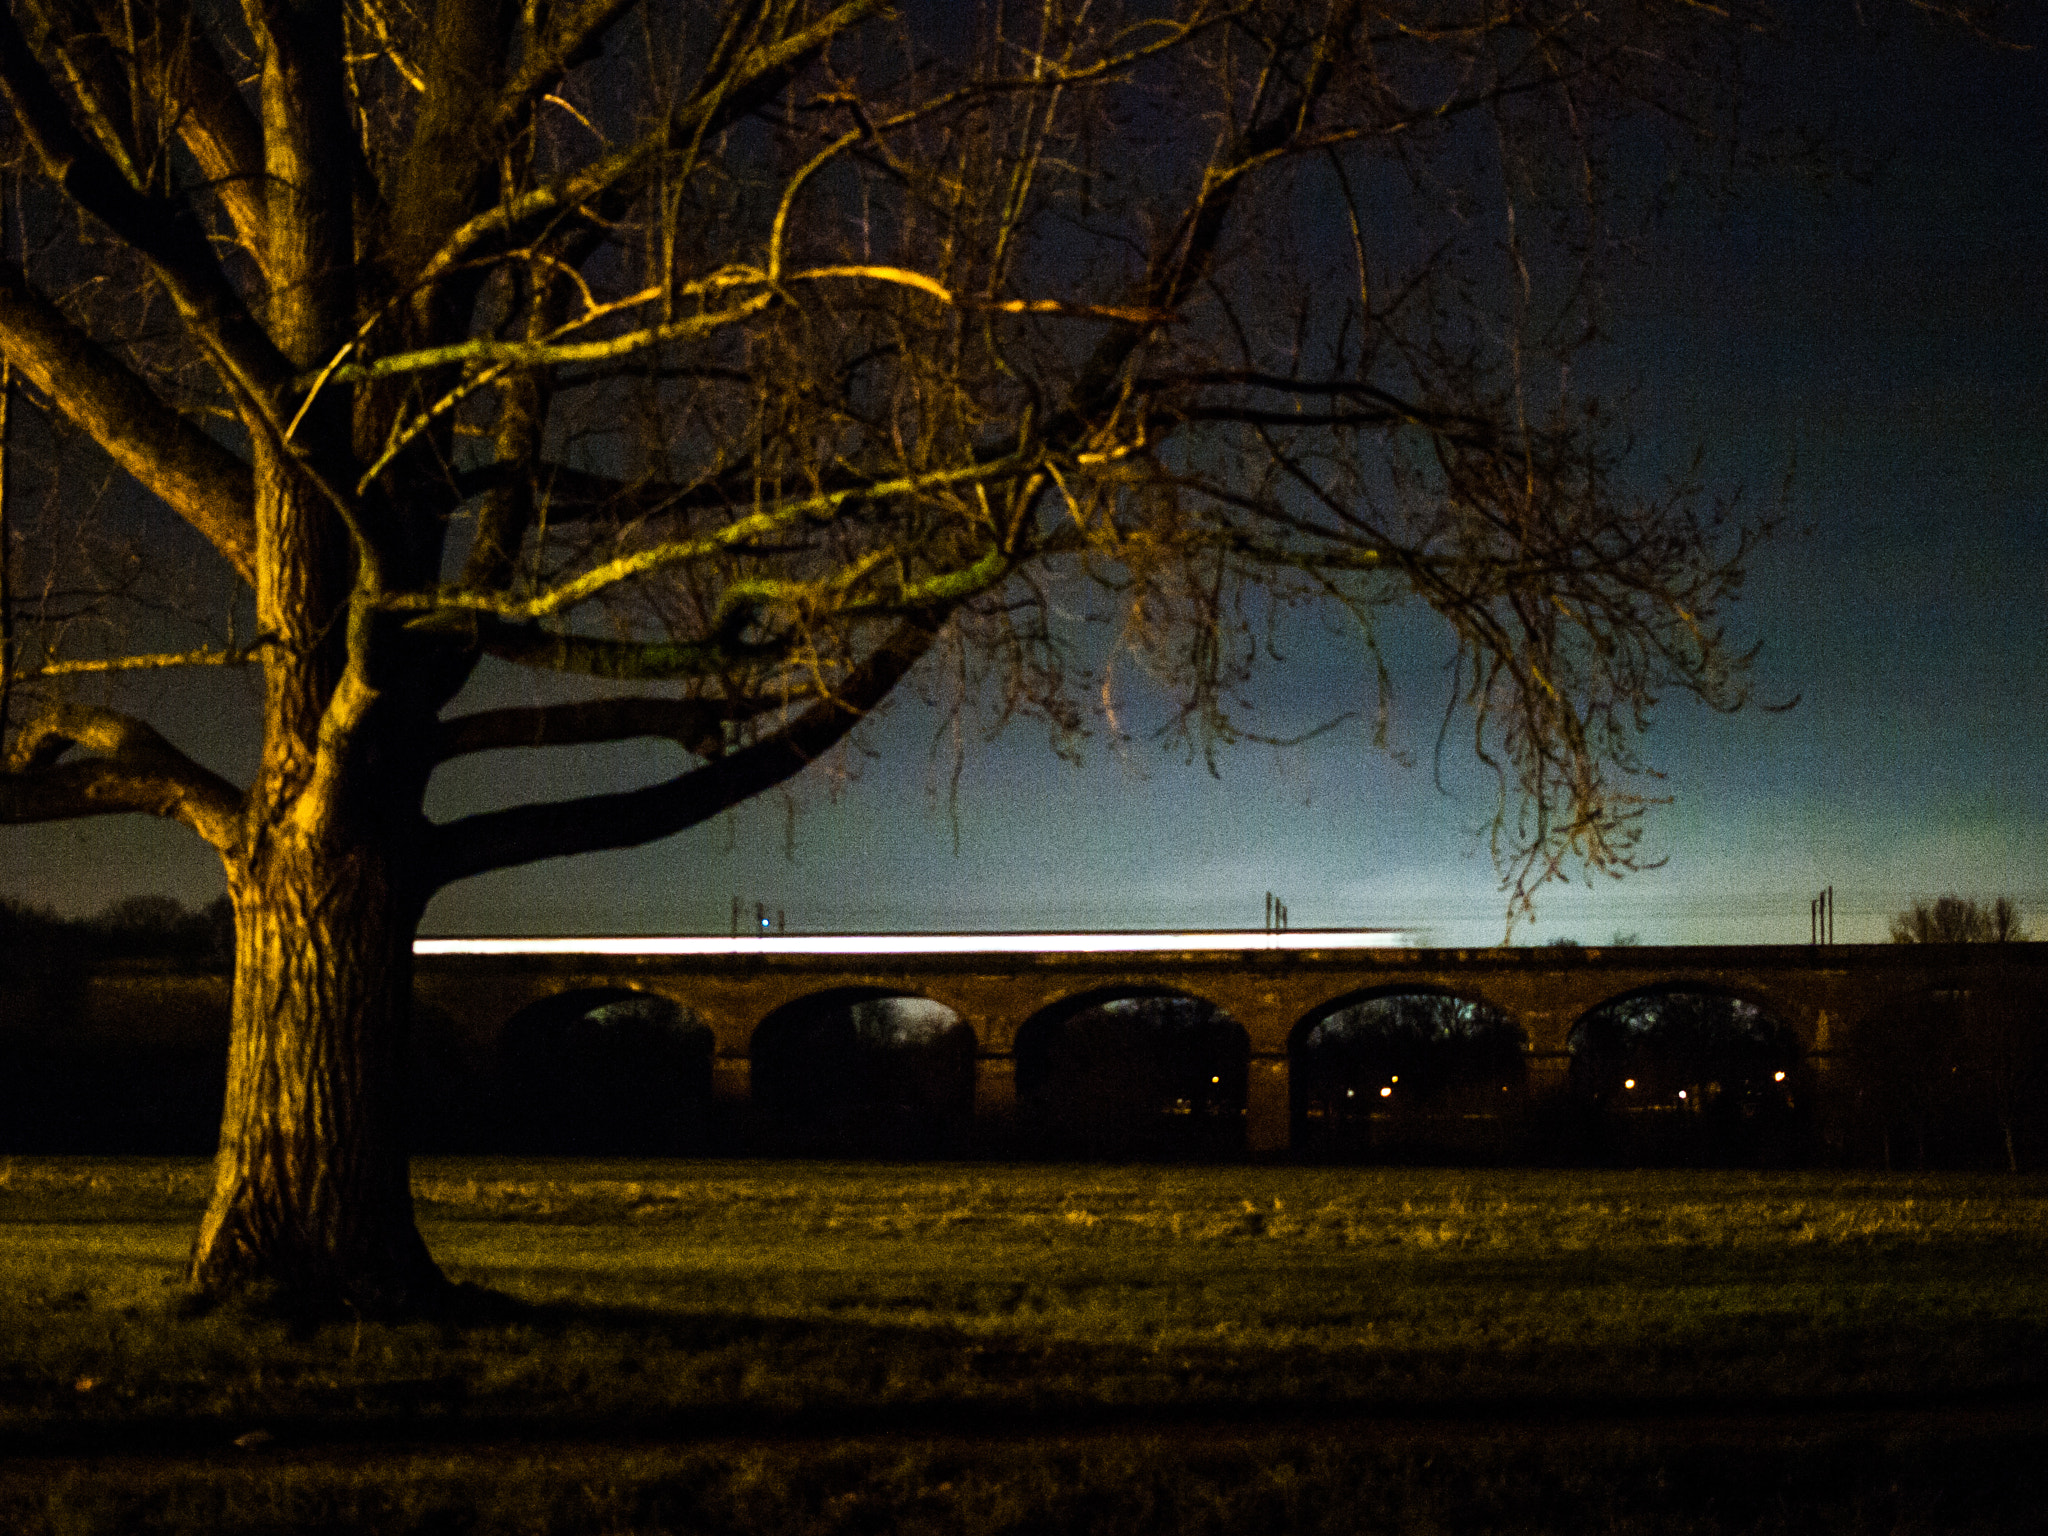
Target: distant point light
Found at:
x=1777, y=1077
x=1386, y=1093
x=1350, y=1093
x=1628, y=1082
x=1215, y=1079
x=1681, y=1093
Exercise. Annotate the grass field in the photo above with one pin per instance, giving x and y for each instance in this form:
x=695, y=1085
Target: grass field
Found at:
x=757, y=1347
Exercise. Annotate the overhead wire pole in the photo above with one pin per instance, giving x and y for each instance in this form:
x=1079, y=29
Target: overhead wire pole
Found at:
x=1821, y=917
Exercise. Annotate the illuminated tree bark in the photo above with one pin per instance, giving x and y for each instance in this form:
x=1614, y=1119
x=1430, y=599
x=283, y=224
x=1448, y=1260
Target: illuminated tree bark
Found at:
x=311, y=1188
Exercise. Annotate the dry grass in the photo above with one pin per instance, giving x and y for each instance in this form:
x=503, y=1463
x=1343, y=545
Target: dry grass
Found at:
x=665, y=1326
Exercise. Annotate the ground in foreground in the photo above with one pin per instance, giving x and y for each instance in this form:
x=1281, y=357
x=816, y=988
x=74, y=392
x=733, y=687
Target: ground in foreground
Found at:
x=756, y=1347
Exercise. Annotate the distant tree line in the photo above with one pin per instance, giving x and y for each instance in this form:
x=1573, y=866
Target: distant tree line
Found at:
x=1959, y=920
x=151, y=927
x=151, y=1081
x=45, y=960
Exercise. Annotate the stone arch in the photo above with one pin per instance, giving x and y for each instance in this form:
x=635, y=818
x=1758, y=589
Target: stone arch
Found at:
x=1409, y=1072
x=604, y=1070
x=1123, y=1071
x=1689, y=1072
x=864, y=1071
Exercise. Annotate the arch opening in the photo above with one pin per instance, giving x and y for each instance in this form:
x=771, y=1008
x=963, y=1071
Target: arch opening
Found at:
x=1677, y=1076
x=604, y=1071
x=863, y=1073
x=1154, y=1074
x=1410, y=1077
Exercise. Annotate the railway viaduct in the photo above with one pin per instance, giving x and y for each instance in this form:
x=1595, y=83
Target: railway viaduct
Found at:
x=1277, y=994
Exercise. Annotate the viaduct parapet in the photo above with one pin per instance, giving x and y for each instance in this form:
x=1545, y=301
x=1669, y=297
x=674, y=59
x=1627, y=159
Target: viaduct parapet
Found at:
x=1276, y=995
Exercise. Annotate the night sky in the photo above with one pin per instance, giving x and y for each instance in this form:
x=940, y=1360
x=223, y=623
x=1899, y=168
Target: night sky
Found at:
x=1883, y=340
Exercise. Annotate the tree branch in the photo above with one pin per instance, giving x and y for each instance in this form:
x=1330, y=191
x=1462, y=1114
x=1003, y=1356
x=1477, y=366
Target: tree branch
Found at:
x=549, y=352
x=575, y=33
x=752, y=79
x=195, y=476
x=84, y=47
x=205, y=656
x=524, y=834
x=573, y=494
x=134, y=770
x=160, y=231
x=692, y=724
x=1391, y=409
x=214, y=122
x=733, y=538
x=528, y=645
x=1188, y=255
x=451, y=168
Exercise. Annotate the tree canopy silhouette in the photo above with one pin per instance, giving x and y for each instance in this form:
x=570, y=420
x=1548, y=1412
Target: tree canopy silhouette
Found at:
x=1959, y=920
x=729, y=361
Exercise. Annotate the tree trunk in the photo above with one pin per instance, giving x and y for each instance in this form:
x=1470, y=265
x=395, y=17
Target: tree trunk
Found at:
x=312, y=1193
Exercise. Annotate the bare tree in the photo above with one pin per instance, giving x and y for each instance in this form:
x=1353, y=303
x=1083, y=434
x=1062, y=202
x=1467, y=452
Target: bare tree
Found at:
x=731, y=360
x=1959, y=920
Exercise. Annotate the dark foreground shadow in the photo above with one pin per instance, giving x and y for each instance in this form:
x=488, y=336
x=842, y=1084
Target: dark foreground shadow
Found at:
x=979, y=1388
